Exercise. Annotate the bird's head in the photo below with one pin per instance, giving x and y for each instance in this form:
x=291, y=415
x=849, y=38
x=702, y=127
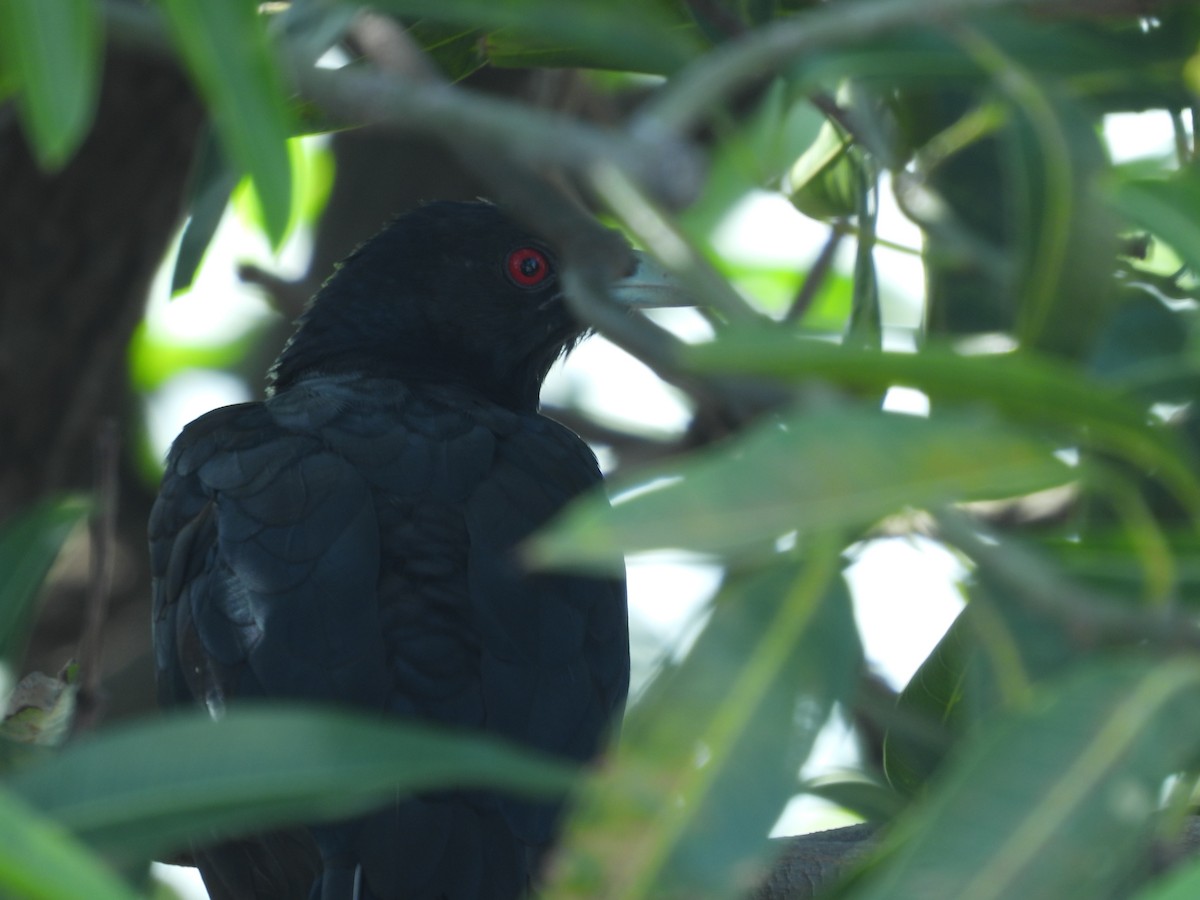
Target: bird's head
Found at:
x=451, y=292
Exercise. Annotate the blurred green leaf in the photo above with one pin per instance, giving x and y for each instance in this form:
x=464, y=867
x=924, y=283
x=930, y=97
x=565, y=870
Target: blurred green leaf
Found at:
x=753, y=154
x=225, y=46
x=826, y=182
x=52, y=52
x=29, y=544
x=1023, y=386
x=1111, y=562
x=709, y=754
x=873, y=802
x=40, y=860
x=829, y=468
x=1166, y=206
x=1143, y=335
x=1183, y=883
x=148, y=788
x=629, y=36
x=213, y=181
x=1056, y=801
x=1001, y=643
x=457, y=50
x=155, y=359
x=312, y=180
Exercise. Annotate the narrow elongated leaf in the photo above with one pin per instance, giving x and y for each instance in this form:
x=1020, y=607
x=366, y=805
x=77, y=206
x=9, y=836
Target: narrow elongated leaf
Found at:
x=1023, y=386
x=1057, y=801
x=29, y=544
x=225, y=46
x=52, y=52
x=626, y=36
x=832, y=468
x=710, y=754
x=151, y=787
x=212, y=185
x=40, y=860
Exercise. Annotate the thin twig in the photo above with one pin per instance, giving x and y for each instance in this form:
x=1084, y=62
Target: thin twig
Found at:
x=817, y=273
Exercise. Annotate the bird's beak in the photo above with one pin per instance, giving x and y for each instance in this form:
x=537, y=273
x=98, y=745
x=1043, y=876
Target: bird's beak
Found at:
x=649, y=286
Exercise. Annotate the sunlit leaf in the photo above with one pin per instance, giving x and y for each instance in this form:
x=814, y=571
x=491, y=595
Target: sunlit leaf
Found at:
x=1167, y=207
x=225, y=46
x=212, y=183
x=825, y=182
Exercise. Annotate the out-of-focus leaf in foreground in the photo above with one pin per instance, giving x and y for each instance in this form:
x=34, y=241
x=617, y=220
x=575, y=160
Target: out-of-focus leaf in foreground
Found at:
x=1055, y=801
x=225, y=46
x=710, y=754
x=151, y=787
x=39, y=860
x=829, y=468
x=51, y=51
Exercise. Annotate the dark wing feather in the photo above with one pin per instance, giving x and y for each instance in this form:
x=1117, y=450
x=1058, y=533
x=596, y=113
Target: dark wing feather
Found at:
x=555, y=648
x=265, y=550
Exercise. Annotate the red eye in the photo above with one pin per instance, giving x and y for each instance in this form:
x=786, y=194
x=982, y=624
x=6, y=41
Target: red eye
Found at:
x=527, y=267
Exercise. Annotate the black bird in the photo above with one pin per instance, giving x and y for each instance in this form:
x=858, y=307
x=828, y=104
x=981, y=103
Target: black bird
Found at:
x=350, y=539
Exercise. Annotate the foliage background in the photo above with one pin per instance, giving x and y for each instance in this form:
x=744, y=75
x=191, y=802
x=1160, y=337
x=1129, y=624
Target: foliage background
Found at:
x=1051, y=736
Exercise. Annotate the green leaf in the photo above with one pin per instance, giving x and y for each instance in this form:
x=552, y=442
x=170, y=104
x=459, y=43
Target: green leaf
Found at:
x=225, y=46
x=820, y=469
x=935, y=694
x=213, y=182
x=1023, y=386
x=1181, y=884
x=151, y=787
x=709, y=754
x=874, y=802
x=29, y=544
x=1057, y=801
x=52, y=52
x=825, y=182
x=1165, y=206
x=753, y=155
x=999, y=645
x=458, y=51
x=40, y=860
x=606, y=34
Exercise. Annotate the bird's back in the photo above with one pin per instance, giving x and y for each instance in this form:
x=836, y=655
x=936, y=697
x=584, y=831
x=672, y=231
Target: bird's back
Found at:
x=351, y=540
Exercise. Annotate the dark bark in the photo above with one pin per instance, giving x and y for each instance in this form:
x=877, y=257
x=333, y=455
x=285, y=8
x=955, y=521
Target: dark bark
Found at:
x=78, y=249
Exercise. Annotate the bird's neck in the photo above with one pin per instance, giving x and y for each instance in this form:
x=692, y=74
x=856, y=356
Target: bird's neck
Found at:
x=310, y=353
